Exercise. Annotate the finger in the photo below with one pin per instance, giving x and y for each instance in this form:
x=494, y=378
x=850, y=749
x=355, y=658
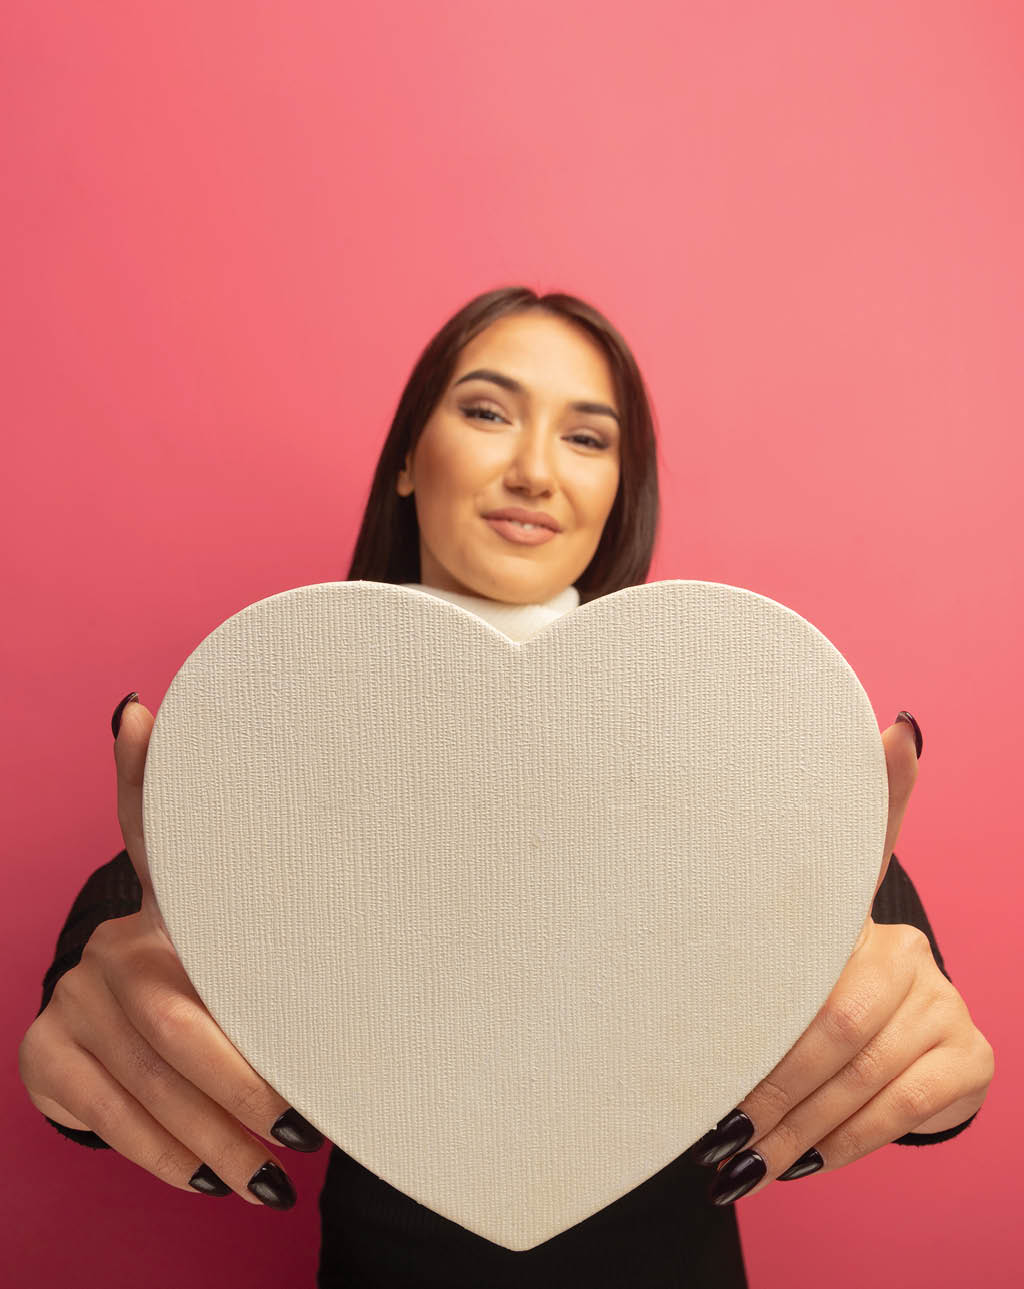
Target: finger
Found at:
x=915, y=1028
x=170, y=1016
x=901, y=769
x=862, y=1003
x=95, y=1098
x=912, y=1098
x=34, y=1061
x=130, y=749
x=918, y=1094
x=136, y=1077
x=70, y=1086
x=54, y=1110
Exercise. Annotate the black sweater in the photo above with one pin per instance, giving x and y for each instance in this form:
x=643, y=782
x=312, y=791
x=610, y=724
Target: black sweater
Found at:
x=663, y=1234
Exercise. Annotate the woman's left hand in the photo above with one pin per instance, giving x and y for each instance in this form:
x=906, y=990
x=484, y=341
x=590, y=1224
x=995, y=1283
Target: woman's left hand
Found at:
x=892, y=1050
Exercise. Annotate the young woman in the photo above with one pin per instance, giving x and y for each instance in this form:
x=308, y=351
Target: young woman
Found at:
x=518, y=479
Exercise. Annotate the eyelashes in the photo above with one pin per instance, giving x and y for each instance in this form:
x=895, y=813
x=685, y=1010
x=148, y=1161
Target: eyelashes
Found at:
x=592, y=440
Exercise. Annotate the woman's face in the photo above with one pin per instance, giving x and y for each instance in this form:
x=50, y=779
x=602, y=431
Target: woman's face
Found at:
x=488, y=446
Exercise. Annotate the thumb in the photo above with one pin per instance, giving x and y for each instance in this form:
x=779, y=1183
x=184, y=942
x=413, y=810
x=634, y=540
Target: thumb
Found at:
x=901, y=764
x=130, y=747
x=901, y=756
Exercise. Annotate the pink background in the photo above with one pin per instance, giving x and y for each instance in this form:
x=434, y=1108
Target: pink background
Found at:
x=228, y=230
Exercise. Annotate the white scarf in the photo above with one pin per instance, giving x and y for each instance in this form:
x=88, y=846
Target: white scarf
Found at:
x=517, y=621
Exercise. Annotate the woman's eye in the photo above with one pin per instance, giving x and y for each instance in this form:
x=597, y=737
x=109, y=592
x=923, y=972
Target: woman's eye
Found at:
x=481, y=411
x=591, y=440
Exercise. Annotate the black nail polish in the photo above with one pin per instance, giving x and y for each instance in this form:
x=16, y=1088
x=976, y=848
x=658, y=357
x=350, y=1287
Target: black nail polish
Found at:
x=737, y=1177
x=733, y=1131
x=294, y=1131
x=206, y=1182
x=809, y=1162
x=908, y=719
x=115, y=720
x=272, y=1186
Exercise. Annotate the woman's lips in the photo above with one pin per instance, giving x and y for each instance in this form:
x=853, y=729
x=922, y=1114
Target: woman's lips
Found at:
x=514, y=532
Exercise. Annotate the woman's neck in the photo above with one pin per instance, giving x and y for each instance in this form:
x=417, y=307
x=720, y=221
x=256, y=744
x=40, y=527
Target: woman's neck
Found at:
x=517, y=621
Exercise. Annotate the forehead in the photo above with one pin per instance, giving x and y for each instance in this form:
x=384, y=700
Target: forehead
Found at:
x=544, y=352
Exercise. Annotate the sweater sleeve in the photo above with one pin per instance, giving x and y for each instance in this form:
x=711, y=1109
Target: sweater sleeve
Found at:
x=897, y=900
x=113, y=891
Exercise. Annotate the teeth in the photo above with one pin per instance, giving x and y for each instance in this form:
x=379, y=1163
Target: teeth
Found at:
x=523, y=524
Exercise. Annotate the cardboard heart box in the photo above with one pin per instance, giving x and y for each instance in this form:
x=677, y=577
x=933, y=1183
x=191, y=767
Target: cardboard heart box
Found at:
x=514, y=923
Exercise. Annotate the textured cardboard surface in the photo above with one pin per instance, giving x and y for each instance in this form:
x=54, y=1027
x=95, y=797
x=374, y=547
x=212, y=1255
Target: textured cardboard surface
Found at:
x=515, y=923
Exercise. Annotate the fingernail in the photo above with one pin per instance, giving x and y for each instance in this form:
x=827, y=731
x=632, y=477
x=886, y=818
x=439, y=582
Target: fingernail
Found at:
x=206, y=1182
x=115, y=720
x=809, y=1162
x=737, y=1177
x=294, y=1131
x=908, y=719
x=730, y=1133
x=272, y=1186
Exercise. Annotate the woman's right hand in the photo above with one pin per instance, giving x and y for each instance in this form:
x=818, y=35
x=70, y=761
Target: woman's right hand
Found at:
x=126, y=1049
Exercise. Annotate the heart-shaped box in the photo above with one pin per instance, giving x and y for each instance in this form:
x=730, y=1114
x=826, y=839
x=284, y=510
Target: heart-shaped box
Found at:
x=514, y=923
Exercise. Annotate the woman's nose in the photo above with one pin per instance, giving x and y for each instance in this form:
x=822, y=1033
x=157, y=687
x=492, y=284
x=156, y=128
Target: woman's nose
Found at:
x=532, y=462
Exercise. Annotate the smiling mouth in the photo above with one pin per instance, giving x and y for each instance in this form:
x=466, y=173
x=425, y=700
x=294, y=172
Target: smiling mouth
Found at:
x=524, y=534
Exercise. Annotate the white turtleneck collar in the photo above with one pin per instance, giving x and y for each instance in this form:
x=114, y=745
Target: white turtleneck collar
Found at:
x=517, y=621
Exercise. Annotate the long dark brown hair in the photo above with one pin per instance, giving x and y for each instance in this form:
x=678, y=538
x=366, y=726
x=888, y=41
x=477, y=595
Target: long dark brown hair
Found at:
x=387, y=548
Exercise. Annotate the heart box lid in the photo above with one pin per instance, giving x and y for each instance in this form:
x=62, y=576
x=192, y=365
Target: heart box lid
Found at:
x=514, y=923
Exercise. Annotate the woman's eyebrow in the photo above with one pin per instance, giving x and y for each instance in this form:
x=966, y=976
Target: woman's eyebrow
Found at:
x=514, y=387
